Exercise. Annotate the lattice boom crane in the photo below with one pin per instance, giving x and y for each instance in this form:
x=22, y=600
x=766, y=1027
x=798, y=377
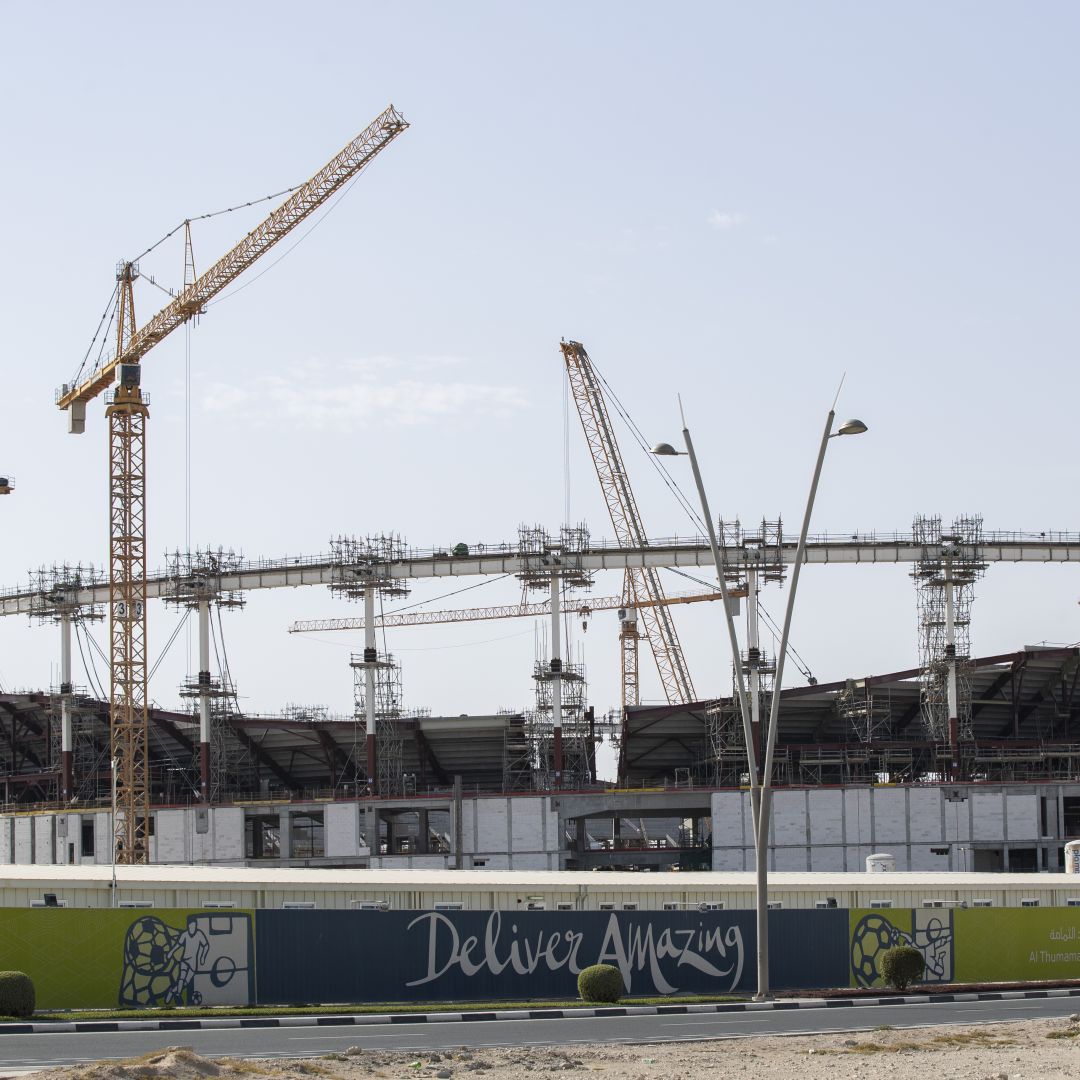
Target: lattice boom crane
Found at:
x=477, y=614
x=127, y=412
x=642, y=589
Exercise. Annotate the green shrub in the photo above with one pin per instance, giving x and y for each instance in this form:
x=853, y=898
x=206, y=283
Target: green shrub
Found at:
x=601, y=982
x=16, y=994
x=901, y=966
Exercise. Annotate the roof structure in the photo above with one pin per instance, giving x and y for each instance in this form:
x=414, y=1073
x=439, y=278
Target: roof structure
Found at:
x=1025, y=718
x=303, y=753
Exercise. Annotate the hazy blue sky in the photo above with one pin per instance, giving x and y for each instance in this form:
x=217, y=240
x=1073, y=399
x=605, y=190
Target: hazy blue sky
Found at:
x=734, y=202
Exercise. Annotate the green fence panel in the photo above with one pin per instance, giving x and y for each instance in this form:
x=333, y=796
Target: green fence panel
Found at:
x=94, y=958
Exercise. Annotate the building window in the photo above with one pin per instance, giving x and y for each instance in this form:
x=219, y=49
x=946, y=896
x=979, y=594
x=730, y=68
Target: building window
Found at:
x=881, y=903
x=262, y=836
x=775, y=905
x=1072, y=901
x=88, y=836
x=564, y=905
x=607, y=907
x=448, y=905
x=306, y=835
x=629, y=907
x=982, y=903
x=1030, y=901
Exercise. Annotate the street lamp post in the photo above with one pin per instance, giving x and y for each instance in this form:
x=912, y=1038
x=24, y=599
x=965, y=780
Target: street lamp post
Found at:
x=761, y=787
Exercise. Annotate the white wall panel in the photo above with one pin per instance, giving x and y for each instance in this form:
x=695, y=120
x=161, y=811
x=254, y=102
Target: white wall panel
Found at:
x=789, y=820
x=1022, y=814
x=491, y=824
x=857, y=819
x=925, y=812
x=826, y=817
x=827, y=858
x=43, y=839
x=890, y=817
x=988, y=814
x=341, y=830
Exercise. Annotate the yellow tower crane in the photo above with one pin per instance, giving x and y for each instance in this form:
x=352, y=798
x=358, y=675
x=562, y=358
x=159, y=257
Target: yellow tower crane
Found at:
x=642, y=591
x=127, y=413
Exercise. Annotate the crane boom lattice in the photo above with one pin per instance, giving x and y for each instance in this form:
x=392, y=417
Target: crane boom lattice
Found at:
x=127, y=414
x=642, y=589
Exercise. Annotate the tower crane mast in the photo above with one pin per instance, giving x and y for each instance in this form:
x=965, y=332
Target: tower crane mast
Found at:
x=642, y=590
x=127, y=412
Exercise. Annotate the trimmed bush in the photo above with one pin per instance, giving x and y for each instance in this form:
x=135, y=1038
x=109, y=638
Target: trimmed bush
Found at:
x=601, y=982
x=901, y=966
x=17, y=996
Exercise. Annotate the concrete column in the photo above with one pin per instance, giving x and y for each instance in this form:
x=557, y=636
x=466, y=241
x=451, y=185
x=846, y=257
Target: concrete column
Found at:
x=370, y=657
x=556, y=676
x=422, y=844
x=204, y=700
x=67, y=755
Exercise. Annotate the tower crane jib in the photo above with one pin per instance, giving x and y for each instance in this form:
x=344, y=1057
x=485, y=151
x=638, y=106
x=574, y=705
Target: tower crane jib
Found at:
x=127, y=414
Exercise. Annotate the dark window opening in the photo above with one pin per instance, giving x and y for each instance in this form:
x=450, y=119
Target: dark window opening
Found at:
x=307, y=836
x=1071, y=811
x=88, y=836
x=262, y=837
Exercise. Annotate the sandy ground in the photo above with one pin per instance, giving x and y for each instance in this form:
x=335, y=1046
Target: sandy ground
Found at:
x=1021, y=1051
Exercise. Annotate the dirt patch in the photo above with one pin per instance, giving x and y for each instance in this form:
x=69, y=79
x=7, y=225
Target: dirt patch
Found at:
x=1034, y=1050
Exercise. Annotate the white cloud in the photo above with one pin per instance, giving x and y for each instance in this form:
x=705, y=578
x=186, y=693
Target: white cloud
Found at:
x=726, y=220
x=361, y=397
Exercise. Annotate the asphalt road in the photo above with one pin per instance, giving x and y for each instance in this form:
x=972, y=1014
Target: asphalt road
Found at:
x=24, y=1052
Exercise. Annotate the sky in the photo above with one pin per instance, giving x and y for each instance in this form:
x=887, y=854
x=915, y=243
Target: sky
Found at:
x=741, y=204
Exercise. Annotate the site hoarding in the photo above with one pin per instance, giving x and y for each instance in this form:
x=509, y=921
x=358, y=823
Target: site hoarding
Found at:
x=969, y=945
x=102, y=958
x=139, y=958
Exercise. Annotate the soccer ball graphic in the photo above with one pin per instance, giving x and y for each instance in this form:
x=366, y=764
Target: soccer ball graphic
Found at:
x=149, y=945
x=149, y=962
x=873, y=934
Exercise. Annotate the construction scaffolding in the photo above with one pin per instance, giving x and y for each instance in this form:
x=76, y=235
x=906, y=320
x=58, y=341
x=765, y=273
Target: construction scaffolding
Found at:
x=222, y=764
x=868, y=713
x=945, y=585
x=578, y=733
x=543, y=555
x=362, y=572
x=389, y=739
x=361, y=563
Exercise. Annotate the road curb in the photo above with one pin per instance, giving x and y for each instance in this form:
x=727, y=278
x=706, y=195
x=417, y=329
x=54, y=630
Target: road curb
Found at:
x=365, y=1019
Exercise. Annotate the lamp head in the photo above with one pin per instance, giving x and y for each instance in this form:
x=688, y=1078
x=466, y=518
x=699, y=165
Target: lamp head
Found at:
x=851, y=427
x=666, y=450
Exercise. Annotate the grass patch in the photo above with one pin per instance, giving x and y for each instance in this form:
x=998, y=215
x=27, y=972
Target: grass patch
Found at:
x=223, y=1012
x=1068, y=1033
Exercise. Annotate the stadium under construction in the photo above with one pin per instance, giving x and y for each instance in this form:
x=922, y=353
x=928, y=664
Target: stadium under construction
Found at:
x=951, y=762
x=860, y=766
